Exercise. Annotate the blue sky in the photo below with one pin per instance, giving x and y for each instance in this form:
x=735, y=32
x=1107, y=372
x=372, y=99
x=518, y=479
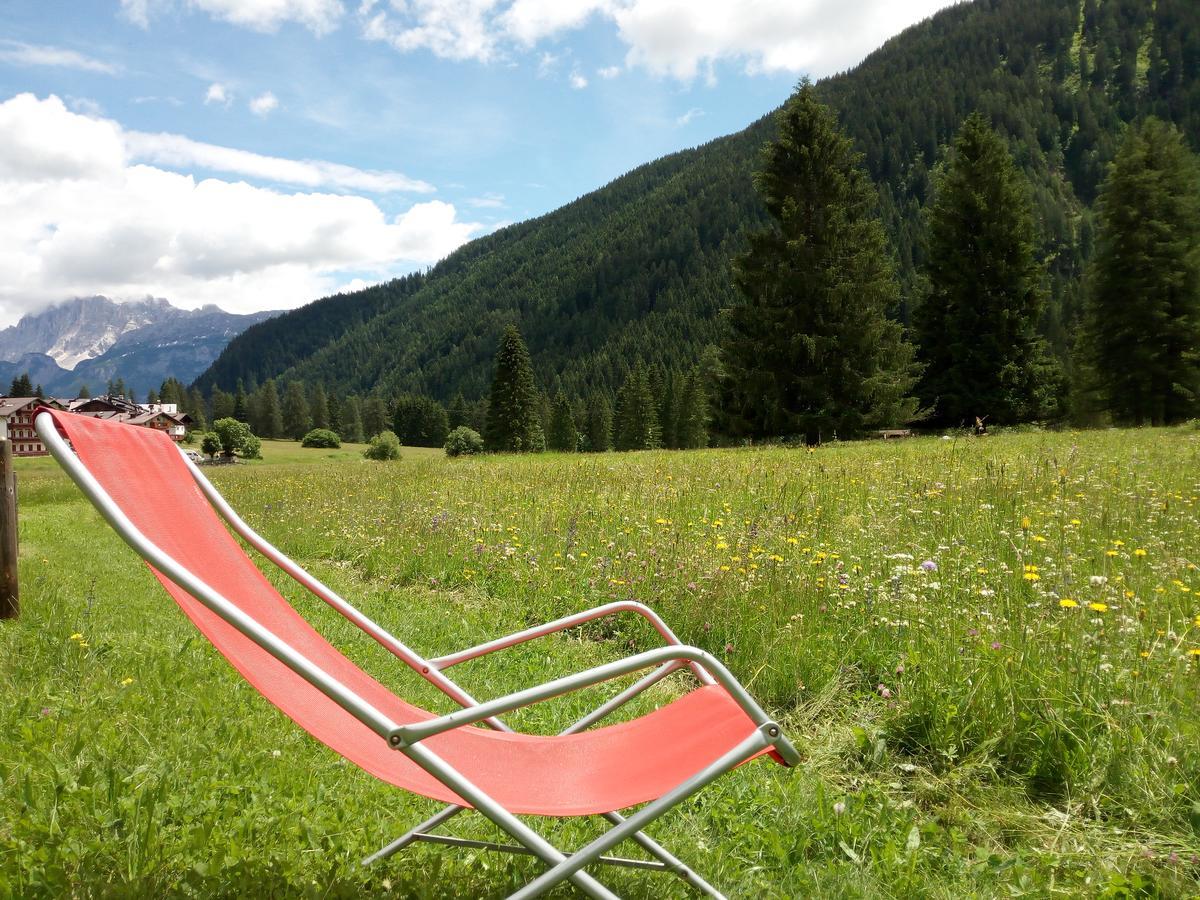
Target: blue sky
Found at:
x=261, y=153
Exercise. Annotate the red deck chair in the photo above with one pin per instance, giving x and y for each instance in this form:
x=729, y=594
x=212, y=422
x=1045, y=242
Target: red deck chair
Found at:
x=163, y=507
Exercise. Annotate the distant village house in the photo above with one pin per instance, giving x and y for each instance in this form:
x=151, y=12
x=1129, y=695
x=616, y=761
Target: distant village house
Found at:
x=16, y=418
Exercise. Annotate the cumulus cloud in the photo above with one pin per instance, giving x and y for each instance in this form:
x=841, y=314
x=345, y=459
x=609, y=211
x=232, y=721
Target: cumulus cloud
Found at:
x=217, y=93
x=609, y=72
x=676, y=38
x=319, y=16
x=264, y=104
x=77, y=221
x=21, y=54
x=578, y=81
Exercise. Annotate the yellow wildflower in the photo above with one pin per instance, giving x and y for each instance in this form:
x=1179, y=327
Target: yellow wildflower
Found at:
x=1067, y=603
x=1098, y=607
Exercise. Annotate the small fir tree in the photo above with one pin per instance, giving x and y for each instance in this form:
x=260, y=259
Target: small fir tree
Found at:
x=241, y=409
x=1142, y=326
x=513, y=404
x=811, y=350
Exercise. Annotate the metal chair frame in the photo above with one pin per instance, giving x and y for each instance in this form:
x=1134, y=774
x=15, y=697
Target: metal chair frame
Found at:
x=407, y=738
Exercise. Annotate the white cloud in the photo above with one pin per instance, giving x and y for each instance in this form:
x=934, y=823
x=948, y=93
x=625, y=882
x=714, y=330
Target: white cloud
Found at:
x=451, y=29
x=318, y=16
x=179, y=152
x=487, y=201
x=578, y=81
x=529, y=21
x=21, y=54
x=77, y=221
x=694, y=113
x=217, y=93
x=609, y=72
x=676, y=38
x=264, y=104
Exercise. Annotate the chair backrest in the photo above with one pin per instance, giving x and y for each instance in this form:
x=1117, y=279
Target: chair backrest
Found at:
x=144, y=473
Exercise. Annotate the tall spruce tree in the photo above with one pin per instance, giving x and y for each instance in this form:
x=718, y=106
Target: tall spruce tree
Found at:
x=513, y=404
x=319, y=407
x=692, y=423
x=221, y=403
x=241, y=410
x=562, y=436
x=978, y=323
x=270, y=424
x=1142, y=331
x=635, y=425
x=352, y=428
x=297, y=421
x=21, y=386
x=375, y=418
x=599, y=424
x=811, y=349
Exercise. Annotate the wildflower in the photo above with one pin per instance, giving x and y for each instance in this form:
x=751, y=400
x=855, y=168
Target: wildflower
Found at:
x=839, y=808
x=1097, y=580
x=995, y=645
x=1098, y=607
x=929, y=565
x=884, y=691
x=1195, y=651
x=1067, y=603
x=1139, y=552
x=1032, y=576
x=126, y=682
x=76, y=637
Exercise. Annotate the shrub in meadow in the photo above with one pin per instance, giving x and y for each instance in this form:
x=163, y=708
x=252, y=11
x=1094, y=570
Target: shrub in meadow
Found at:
x=384, y=445
x=321, y=437
x=464, y=441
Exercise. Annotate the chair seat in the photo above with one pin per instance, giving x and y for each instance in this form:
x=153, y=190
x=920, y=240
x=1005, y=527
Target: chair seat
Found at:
x=597, y=771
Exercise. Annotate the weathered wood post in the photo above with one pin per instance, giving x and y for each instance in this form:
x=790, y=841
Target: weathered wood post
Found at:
x=10, y=603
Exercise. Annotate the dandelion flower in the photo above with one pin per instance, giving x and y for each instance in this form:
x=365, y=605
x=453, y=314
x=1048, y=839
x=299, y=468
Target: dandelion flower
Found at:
x=76, y=637
x=1032, y=576
x=126, y=682
x=1067, y=603
x=1195, y=651
x=1139, y=552
x=1098, y=607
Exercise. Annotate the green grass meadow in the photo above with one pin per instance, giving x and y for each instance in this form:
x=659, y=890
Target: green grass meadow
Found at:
x=987, y=651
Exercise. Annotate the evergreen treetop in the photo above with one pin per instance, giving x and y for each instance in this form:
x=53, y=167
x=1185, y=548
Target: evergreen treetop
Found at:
x=513, y=402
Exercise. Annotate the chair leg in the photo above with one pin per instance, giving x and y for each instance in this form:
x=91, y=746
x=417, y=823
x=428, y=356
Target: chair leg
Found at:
x=673, y=863
x=570, y=866
x=411, y=835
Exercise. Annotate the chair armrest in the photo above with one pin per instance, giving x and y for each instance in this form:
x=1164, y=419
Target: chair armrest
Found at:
x=590, y=615
x=407, y=735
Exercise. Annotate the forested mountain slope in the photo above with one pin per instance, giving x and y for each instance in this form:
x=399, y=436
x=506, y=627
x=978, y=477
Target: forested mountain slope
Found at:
x=640, y=267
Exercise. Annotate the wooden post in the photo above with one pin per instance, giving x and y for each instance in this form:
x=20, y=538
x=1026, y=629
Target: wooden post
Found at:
x=10, y=604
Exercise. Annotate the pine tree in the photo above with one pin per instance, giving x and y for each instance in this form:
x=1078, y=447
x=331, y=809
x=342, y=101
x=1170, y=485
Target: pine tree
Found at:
x=457, y=411
x=152, y=396
x=599, y=424
x=21, y=386
x=352, y=429
x=296, y=418
x=978, y=324
x=221, y=404
x=635, y=424
x=39, y=392
x=1142, y=336
x=562, y=435
x=812, y=351
x=693, y=413
x=668, y=410
x=270, y=416
x=84, y=392
x=172, y=391
x=241, y=410
x=335, y=414
x=195, y=407
x=319, y=407
x=513, y=403
x=374, y=416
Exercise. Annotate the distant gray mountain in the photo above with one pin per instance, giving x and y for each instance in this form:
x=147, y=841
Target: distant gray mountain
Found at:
x=90, y=340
